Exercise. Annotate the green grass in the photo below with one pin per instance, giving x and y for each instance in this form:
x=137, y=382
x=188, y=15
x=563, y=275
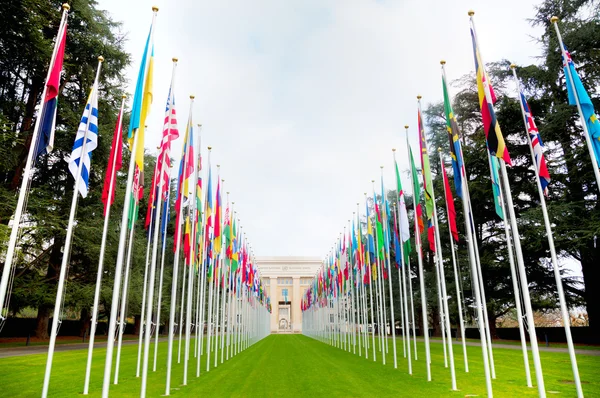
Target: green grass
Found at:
x=297, y=366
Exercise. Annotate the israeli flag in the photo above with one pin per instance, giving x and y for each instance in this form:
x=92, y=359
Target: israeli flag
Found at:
x=88, y=128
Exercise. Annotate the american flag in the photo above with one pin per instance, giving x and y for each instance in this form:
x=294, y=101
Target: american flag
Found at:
x=170, y=133
x=536, y=144
x=163, y=162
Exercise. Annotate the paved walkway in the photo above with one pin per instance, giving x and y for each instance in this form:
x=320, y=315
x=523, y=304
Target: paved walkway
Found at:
x=518, y=347
x=43, y=349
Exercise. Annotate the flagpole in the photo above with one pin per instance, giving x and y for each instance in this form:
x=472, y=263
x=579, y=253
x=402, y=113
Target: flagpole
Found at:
x=458, y=294
x=25, y=179
x=69, y=236
x=520, y=262
x=586, y=133
x=480, y=301
x=160, y=276
x=92, y=334
x=125, y=295
x=421, y=273
x=368, y=258
x=144, y=294
x=120, y=254
x=176, y=265
x=162, y=162
x=557, y=277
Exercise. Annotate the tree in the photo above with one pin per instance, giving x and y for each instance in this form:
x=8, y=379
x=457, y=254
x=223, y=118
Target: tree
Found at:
x=26, y=40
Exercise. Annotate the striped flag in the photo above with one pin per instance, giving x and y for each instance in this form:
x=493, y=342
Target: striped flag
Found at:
x=453, y=136
x=487, y=98
x=45, y=141
x=450, y=206
x=88, y=130
x=170, y=133
x=404, y=225
x=536, y=144
x=116, y=160
x=163, y=161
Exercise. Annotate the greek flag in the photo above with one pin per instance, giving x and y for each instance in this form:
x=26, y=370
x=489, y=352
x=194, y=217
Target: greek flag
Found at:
x=88, y=129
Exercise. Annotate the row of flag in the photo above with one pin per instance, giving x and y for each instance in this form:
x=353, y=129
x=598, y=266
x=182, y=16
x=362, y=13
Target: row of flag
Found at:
x=347, y=299
x=219, y=264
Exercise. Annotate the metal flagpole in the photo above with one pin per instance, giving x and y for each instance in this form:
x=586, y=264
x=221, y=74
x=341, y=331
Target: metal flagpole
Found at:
x=160, y=278
x=88, y=366
x=412, y=307
x=458, y=295
x=181, y=311
x=517, y=291
x=177, y=243
x=69, y=234
x=475, y=265
x=163, y=152
x=421, y=274
x=192, y=211
x=144, y=295
x=120, y=254
x=557, y=277
x=586, y=132
x=442, y=275
x=23, y=191
x=520, y=262
x=368, y=258
x=124, y=296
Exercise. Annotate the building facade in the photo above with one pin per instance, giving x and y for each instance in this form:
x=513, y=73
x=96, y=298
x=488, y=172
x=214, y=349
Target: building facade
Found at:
x=286, y=279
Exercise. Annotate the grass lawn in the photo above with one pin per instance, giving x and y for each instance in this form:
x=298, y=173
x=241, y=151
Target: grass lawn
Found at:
x=297, y=366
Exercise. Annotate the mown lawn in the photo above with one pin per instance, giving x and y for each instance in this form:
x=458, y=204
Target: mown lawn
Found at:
x=297, y=366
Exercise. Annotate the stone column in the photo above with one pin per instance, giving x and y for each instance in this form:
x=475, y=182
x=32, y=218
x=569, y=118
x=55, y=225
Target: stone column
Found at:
x=295, y=305
x=274, y=304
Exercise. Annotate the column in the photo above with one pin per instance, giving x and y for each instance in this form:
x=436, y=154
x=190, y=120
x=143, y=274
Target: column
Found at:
x=274, y=304
x=295, y=305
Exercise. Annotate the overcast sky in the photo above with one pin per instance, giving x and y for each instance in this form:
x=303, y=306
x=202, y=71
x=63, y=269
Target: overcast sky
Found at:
x=302, y=101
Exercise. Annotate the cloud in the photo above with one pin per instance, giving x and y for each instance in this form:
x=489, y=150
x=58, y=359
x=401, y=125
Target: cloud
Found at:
x=302, y=101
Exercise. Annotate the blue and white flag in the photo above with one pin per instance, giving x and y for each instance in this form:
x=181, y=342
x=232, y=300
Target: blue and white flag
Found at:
x=88, y=128
x=587, y=107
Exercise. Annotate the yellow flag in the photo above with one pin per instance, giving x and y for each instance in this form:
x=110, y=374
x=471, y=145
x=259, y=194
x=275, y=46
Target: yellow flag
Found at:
x=146, y=103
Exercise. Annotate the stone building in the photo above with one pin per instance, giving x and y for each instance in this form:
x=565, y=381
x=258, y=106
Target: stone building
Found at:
x=286, y=279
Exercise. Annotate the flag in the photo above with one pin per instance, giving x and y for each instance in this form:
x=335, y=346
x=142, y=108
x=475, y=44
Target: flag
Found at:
x=116, y=160
x=88, y=130
x=217, y=226
x=403, y=216
x=453, y=136
x=417, y=194
x=160, y=179
x=493, y=162
x=48, y=111
x=536, y=145
x=450, y=206
x=587, y=108
x=487, y=98
x=425, y=169
x=170, y=134
x=135, y=120
x=146, y=103
x=186, y=168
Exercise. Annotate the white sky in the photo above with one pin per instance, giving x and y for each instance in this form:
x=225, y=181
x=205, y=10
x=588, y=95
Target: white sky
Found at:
x=302, y=101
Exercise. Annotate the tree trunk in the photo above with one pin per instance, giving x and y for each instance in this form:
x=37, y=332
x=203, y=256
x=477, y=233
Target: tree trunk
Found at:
x=137, y=324
x=44, y=308
x=492, y=324
x=435, y=322
x=85, y=320
x=591, y=276
x=41, y=323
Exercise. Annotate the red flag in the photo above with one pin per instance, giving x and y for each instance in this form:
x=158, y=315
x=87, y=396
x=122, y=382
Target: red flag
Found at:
x=450, y=206
x=115, y=162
